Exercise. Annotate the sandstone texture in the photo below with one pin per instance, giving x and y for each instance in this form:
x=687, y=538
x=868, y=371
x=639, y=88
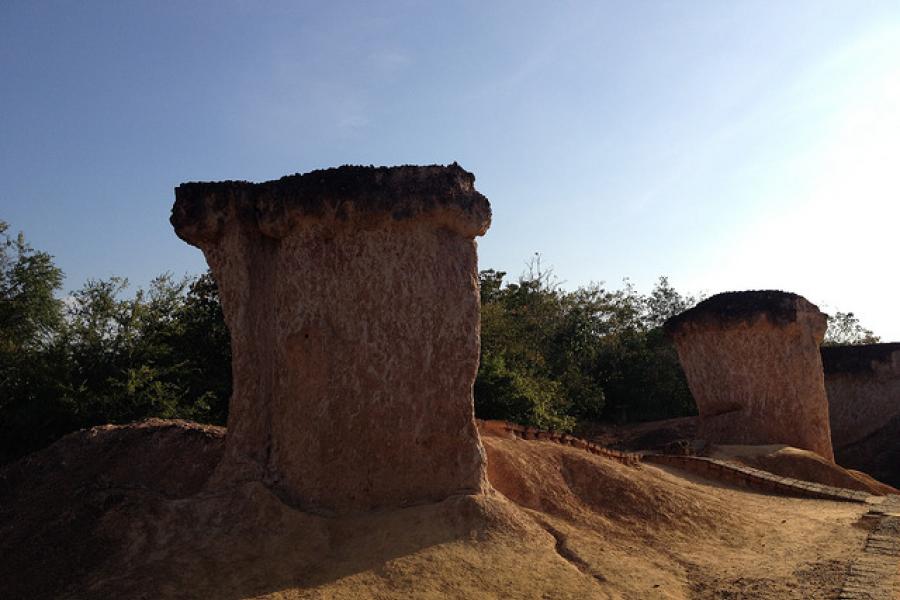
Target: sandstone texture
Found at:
x=753, y=366
x=863, y=387
x=351, y=295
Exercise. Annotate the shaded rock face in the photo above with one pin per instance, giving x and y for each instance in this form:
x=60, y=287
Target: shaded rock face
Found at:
x=352, y=299
x=863, y=387
x=753, y=366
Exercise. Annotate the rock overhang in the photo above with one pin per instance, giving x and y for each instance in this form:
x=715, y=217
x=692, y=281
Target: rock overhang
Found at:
x=361, y=196
x=859, y=358
x=729, y=309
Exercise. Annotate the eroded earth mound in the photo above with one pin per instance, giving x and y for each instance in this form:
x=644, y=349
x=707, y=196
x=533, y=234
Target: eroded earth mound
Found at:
x=680, y=436
x=801, y=464
x=128, y=512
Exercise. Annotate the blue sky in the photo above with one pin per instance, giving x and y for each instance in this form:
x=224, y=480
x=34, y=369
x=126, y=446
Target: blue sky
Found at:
x=728, y=145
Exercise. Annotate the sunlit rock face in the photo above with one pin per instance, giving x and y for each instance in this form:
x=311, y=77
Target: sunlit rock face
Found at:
x=863, y=387
x=352, y=299
x=753, y=366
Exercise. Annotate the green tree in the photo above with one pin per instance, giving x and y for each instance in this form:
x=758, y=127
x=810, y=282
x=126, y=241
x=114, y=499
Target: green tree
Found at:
x=635, y=363
x=115, y=357
x=518, y=324
x=29, y=311
x=551, y=358
x=204, y=348
x=665, y=302
x=164, y=352
x=30, y=317
x=845, y=328
x=102, y=356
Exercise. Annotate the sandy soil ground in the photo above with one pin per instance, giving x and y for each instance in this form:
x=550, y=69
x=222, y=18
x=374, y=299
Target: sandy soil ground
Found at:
x=562, y=523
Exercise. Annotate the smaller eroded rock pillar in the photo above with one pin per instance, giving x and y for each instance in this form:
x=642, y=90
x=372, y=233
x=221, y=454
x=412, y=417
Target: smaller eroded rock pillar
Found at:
x=352, y=299
x=863, y=387
x=753, y=366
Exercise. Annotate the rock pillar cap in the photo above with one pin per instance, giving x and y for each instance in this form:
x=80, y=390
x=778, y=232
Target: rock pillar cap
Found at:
x=857, y=358
x=350, y=195
x=732, y=308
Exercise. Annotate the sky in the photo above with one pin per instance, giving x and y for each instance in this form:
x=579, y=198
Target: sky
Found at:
x=749, y=144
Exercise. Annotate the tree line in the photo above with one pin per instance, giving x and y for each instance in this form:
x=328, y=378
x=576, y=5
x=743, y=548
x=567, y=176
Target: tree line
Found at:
x=549, y=357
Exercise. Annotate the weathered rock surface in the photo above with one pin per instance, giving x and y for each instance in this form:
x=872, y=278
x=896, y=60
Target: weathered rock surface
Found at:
x=352, y=299
x=753, y=366
x=878, y=454
x=863, y=387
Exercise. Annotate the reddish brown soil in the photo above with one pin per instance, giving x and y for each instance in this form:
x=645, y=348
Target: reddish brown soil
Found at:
x=53, y=502
x=127, y=512
x=673, y=435
x=803, y=465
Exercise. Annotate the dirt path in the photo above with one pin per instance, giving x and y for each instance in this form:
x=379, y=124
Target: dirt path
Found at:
x=874, y=574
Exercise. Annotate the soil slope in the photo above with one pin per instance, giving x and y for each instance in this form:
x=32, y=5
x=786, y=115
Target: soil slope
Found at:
x=127, y=512
x=871, y=464
x=801, y=464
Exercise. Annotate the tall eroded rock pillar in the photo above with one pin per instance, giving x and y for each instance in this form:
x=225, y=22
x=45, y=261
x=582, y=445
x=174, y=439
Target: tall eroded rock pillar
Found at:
x=352, y=299
x=753, y=366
